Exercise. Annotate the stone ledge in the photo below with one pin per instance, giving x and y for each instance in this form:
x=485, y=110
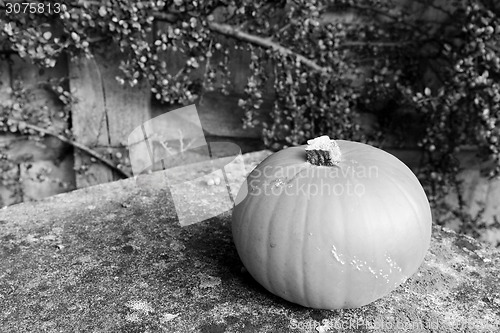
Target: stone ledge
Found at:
x=113, y=258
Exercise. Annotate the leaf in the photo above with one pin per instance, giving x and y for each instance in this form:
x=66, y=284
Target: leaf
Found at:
x=166, y=317
x=102, y=11
x=427, y=91
x=140, y=306
x=75, y=36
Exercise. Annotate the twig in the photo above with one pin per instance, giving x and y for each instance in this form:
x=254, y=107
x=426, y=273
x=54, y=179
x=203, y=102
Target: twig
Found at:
x=381, y=44
x=229, y=30
x=91, y=152
x=207, y=67
x=167, y=17
x=95, y=40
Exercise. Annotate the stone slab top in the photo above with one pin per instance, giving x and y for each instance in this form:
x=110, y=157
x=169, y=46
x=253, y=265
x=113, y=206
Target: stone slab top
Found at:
x=113, y=258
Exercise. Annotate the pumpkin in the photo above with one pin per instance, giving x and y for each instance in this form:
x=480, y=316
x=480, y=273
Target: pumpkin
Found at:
x=332, y=224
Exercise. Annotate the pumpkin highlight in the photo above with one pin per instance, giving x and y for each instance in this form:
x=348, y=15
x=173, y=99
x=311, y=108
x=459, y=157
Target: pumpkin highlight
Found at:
x=335, y=224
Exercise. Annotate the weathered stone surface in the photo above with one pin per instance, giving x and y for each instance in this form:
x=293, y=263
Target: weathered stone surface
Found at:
x=113, y=258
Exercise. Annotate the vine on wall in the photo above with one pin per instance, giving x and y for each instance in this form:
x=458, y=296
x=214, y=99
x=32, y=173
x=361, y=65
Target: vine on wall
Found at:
x=327, y=62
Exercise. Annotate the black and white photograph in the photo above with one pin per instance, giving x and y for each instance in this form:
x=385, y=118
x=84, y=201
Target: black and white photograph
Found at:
x=238, y=166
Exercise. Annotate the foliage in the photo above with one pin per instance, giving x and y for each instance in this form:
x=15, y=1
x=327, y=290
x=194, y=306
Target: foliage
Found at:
x=324, y=63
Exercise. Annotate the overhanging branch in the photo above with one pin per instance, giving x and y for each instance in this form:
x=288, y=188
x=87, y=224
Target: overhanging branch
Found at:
x=91, y=152
x=233, y=32
x=228, y=30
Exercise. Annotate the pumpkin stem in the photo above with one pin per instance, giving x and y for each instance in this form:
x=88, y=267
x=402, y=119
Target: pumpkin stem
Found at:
x=323, y=151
